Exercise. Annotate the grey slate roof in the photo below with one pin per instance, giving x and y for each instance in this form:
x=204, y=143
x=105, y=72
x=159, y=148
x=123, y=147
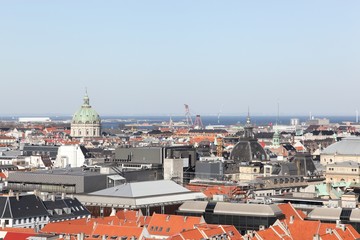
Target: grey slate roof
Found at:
x=347, y=146
x=143, y=189
x=26, y=207
x=77, y=209
x=230, y=208
x=323, y=213
x=247, y=209
x=140, y=194
x=355, y=215
x=193, y=206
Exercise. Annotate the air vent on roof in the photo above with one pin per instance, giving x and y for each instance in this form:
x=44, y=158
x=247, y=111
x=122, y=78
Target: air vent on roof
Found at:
x=58, y=211
x=67, y=210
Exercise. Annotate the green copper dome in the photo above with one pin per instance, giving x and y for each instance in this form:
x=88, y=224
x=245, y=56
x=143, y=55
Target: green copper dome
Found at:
x=86, y=114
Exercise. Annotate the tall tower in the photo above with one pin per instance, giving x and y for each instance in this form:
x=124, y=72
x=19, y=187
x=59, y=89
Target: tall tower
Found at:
x=219, y=146
x=276, y=136
x=248, y=127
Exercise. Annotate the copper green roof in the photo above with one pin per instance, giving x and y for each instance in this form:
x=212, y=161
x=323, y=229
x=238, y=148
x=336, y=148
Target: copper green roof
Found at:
x=86, y=114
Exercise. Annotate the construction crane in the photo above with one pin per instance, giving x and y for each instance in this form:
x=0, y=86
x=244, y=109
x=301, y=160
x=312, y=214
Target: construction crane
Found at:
x=198, y=123
x=219, y=147
x=189, y=121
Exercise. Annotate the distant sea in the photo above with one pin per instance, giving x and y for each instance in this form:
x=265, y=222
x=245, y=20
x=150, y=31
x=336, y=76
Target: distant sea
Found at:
x=115, y=121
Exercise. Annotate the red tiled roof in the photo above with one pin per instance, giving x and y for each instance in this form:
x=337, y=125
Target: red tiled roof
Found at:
x=2, y=175
x=17, y=236
x=67, y=228
x=167, y=225
x=119, y=231
x=208, y=231
x=303, y=229
x=289, y=210
x=128, y=215
x=18, y=230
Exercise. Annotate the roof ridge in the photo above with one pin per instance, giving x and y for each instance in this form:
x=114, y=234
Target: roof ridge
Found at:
x=278, y=234
x=11, y=214
x=296, y=212
x=7, y=199
x=347, y=228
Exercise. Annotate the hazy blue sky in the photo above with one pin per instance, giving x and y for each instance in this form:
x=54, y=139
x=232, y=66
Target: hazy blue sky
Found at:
x=151, y=57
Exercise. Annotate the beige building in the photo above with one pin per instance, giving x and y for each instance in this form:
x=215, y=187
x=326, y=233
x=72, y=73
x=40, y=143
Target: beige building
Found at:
x=345, y=150
x=343, y=172
x=249, y=173
x=86, y=122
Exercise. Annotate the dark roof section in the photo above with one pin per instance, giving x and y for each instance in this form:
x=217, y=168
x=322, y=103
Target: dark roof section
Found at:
x=66, y=208
x=248, y=151
x=23, y=206
x=30, y=150
x=264, y=135
x=289, y=147
x=323, y=133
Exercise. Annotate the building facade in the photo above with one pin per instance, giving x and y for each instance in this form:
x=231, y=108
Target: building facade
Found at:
x=343, y=172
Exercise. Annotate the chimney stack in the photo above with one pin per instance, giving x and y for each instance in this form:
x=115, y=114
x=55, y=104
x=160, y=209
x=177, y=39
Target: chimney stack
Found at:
x=292, y=219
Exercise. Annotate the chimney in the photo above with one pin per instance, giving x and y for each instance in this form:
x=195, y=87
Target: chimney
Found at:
x=338, y=223
x=80, y=236
x=44, y=197
x=17, y=196
x=11, y=193
x=329, y=231
x=343, y=227
x=292, y=219
x=316, y=237
x=63, y=195
x=53, y=197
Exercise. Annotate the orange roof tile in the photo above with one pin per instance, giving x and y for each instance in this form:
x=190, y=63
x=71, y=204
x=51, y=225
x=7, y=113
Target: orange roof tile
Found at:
x=119, y=231
x=167, y=225
x=66, y=228
x=289, y=210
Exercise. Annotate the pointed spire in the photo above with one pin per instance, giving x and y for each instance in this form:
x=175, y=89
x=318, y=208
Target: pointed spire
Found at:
x=276, y=136
x=248, y=127
x=248, y=121
x=86, y=98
